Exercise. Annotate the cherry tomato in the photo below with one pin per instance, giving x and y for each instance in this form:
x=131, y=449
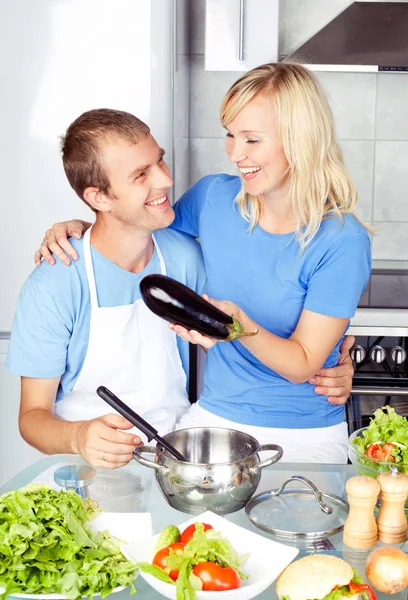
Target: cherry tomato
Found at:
x=216, y=578
x=190, y=531
x=160, y=558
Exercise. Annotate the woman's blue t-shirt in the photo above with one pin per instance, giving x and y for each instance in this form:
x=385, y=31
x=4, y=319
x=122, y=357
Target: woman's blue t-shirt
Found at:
x=269, y=277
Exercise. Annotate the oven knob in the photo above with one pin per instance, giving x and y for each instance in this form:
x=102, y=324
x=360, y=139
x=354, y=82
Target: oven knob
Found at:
x=377, y=354
x=357, y=354
x=398, y=355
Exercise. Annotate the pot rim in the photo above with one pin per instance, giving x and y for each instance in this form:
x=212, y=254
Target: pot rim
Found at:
x=208, y=464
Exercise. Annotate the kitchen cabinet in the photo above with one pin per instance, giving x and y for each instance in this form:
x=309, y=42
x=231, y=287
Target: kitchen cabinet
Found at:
x=240, y=34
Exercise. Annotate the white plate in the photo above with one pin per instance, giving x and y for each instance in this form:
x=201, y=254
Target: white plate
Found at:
x=266, y=560
x=129, y=527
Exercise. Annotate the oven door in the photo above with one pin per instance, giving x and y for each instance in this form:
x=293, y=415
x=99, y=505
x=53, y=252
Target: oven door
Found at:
x=370, y=393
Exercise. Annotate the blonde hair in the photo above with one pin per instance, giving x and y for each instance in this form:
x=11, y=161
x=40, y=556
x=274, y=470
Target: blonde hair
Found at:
x=319, y=183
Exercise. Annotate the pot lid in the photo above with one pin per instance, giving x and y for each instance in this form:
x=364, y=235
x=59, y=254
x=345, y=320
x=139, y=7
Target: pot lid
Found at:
x=292, y=513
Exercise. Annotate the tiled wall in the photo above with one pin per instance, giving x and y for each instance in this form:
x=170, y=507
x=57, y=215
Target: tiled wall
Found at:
x=371, y=113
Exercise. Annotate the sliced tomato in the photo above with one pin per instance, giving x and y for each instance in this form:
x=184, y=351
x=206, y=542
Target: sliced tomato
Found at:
x=378, y=452
x=357, y=588
x=374, y=451
x=189, y=532
x=216, y=578
x=160, y=558
x=387, y=449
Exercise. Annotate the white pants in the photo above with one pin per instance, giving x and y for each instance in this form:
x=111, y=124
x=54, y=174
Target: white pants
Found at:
x=318, y=445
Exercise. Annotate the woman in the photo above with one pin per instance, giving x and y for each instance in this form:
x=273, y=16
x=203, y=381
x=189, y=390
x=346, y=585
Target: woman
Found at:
x=282, y=244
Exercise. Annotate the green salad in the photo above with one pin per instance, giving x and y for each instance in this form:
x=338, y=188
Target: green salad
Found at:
x=203, y=547
x=384, y=441
x=46, y=546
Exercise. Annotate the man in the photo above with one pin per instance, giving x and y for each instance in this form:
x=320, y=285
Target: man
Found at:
x=85, y=326
x=77, y=328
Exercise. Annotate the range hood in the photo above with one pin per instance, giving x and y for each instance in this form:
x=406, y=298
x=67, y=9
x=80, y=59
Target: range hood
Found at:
x=366, y=36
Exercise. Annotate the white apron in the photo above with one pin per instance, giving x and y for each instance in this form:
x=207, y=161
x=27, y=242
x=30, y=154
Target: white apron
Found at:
x=317, y=445
x=132, y=352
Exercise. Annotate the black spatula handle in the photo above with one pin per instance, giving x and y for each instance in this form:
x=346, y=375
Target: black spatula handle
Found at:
x=126, y=412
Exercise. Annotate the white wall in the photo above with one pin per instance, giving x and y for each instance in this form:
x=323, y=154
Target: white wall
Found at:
x=60, y=58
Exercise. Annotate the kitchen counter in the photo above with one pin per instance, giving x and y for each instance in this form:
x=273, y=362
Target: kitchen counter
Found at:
x=330, y=478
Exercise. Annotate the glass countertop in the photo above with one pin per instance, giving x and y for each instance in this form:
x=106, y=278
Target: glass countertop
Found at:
x=327, y=477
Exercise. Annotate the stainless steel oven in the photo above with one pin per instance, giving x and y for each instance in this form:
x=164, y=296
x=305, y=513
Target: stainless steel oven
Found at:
x=380, y=353
x=380, y=378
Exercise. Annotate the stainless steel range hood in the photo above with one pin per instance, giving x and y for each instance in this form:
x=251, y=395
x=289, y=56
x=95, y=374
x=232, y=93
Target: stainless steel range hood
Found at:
x=366, y=36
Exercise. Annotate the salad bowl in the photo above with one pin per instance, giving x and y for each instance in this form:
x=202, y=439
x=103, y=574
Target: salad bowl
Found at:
x=381, y=445
x=266, y=559
x=368, y=465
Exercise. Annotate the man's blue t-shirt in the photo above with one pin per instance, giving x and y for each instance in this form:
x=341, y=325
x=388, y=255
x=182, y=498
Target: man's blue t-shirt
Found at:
x=51, y=325
x=269, y=277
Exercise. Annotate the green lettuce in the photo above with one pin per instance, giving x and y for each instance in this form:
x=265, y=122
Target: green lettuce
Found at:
x=46, y=546
x=156, y=572
x=386, y=426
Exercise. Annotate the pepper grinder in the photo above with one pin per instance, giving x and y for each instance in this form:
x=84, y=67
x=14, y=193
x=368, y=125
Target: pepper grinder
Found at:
x=360, y=528
x=391, y=519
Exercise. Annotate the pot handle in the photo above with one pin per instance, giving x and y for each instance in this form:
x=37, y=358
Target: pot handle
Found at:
x=273, y=459
x=139, y=450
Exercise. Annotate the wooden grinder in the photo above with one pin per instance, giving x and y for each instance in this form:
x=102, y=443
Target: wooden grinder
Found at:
x=360, y=529
x=391, y=520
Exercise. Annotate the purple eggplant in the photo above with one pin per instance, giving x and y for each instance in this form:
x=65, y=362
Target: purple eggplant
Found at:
x=178, y=304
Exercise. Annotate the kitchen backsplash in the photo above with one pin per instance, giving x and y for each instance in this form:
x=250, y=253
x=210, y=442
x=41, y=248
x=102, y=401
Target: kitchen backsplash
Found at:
x=371, y=114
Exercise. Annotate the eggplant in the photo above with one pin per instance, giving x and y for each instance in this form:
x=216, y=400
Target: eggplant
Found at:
x=178, y=304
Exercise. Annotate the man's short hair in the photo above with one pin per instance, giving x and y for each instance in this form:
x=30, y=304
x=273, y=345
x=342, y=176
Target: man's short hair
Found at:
x=82, y=145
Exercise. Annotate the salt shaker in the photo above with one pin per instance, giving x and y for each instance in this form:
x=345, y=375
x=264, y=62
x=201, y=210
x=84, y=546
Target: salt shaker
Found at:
x=360, y=529
x=391, y=520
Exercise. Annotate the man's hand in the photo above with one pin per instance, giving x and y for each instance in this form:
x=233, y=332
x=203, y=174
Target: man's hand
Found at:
x=336, y=382
x=56, y=241
x=101, y=443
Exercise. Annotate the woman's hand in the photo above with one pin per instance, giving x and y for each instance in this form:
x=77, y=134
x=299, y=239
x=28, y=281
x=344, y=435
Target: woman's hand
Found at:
x=56, y=242
x=337, y=381
x=194, y=337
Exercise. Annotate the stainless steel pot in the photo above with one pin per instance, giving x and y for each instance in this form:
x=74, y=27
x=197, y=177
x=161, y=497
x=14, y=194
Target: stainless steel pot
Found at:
x=221, y=472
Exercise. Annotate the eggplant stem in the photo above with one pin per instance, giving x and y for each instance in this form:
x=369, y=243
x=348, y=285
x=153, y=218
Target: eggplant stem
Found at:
x=236, y=331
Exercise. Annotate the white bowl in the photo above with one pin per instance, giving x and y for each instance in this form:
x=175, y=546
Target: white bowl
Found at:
x=266, y=560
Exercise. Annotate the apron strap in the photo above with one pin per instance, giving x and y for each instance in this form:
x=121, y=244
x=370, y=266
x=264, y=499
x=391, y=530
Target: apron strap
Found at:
x=90, y=271
x=89, y=268
x=160, y=255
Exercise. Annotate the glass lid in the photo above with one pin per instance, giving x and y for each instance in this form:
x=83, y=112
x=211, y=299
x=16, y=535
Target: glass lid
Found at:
x=301, y=512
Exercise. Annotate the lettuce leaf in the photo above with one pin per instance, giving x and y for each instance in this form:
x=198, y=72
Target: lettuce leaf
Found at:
x=46, y=546
x=155, y=571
